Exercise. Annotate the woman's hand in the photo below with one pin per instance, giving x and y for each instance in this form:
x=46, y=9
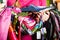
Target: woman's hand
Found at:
x=45, y=16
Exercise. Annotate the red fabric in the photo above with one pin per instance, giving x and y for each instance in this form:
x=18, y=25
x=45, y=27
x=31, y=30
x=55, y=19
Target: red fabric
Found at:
x=26, y=37
x=29, y=23
x=11, y=34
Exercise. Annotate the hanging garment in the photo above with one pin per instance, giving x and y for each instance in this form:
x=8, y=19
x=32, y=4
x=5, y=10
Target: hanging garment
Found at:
x=55, y=25
x=51, y=26
x=48, y=25
x=28, y=22
x=15, y=25
x=5, y=17
x=11, y=34
x=57, y=16
x=56, y=21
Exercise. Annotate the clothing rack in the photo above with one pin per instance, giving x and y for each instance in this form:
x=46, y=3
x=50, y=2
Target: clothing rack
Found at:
x=36, y=8
x=48, y=8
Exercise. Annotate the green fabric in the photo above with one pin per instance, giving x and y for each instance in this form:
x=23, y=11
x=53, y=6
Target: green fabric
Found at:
x=1, y=1
x=24, y=14
x=48, y=2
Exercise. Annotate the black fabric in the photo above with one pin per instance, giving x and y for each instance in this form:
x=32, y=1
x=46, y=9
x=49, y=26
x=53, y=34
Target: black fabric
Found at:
x=51, y=27
x=48, y=24
x=53, y=17
x=34, y=37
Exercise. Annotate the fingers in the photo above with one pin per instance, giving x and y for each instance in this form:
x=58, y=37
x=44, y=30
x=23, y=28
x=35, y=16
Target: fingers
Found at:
x=45, y=15
x=48, y=13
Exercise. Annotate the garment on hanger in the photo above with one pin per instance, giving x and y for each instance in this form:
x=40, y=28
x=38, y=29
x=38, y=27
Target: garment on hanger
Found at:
x=28, y=22
x=57, y=16
x=5, y=17
x=55, y=25
x=11, y=34
x=5, y=20
x=52, y=26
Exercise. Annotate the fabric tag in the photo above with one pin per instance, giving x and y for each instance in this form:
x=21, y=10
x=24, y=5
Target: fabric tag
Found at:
x=38, y=35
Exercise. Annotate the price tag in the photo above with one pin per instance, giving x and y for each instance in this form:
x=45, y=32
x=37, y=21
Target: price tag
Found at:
x=38, y=35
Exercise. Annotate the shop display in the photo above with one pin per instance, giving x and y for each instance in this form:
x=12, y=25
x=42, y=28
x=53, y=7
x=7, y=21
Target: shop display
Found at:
x=40, y=21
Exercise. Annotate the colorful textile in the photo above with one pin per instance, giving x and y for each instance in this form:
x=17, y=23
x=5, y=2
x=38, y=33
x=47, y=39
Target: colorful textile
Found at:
x=5, y=17
x=28, y=22
x=11, y=34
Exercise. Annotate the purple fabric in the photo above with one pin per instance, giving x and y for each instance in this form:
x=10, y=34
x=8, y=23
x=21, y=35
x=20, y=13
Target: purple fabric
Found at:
x=5, y=18
x=27, y=37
